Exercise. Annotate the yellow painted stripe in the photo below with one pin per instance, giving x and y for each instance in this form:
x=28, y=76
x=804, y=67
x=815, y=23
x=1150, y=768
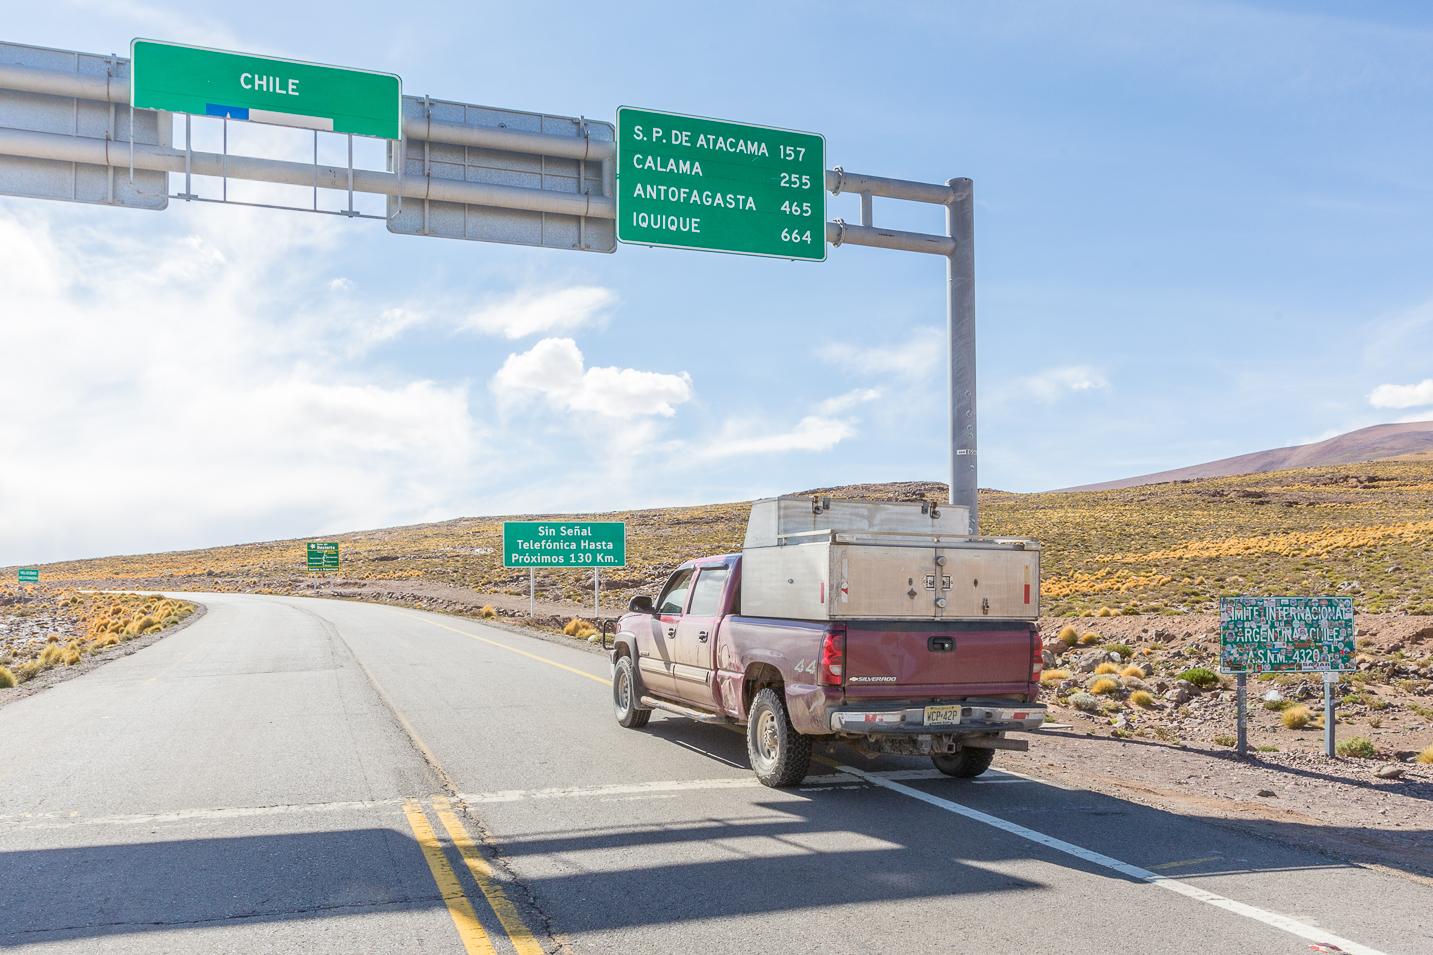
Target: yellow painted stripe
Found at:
x=502, y=907
x=475, y=940
x=530, y=656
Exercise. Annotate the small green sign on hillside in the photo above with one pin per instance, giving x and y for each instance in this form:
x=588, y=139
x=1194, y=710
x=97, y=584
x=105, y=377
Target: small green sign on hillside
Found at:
x=564, y=544
x=323, y=555
x=1286, y=634
x=29, y=575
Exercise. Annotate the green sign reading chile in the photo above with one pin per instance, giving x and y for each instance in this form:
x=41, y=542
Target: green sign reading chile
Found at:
x=264, y=89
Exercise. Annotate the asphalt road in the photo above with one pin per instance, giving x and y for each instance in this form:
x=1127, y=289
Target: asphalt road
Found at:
x=292, y=775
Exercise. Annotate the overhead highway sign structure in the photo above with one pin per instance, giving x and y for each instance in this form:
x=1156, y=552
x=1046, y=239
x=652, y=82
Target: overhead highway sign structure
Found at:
x=264, y=89
x=694, y=183
x=68, y=99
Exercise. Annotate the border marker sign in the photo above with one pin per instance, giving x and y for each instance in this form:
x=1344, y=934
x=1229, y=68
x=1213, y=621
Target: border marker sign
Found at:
x=322, y=555
x=264, y=89
x=1286, y=634
x=28, y=575
x=688, y=182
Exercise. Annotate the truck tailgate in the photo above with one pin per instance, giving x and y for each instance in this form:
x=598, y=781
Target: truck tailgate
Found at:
x=893, y=658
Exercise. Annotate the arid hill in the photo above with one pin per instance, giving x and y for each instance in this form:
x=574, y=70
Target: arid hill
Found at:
x=1378, y=443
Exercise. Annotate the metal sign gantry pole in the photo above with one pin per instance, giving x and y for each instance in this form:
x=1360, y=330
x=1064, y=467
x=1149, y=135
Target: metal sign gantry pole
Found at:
x=958, y=247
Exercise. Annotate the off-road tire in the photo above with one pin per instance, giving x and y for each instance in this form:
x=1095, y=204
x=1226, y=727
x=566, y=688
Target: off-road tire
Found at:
x=625, y=694
x=779, y=755
x=964, y=763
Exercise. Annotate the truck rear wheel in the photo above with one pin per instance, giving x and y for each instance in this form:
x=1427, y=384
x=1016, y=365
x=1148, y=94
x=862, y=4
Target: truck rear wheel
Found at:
x=779, y=755
x=966, y=763
x=624, y=696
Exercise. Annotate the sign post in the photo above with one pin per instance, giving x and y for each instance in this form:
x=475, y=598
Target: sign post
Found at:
x=594, y=544
x=28, y=575
x=1286, y=635
x=264, y=89
x=688, y=182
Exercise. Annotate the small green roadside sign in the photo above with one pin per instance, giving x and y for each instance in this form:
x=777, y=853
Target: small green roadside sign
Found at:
x=264, y=89
x=29, y=575
x=564, y=544
x=323, y=555
x=1286, y=634
x=693, y=183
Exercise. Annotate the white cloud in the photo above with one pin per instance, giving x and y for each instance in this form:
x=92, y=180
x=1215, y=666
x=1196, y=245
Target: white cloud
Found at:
x=553, y=371
x=535, y=312
x=1403, y=396
x=1052, y=384
x=188, y=388
x=811, y=433
x=917, y=356
x=849, y=400
x=340, y=284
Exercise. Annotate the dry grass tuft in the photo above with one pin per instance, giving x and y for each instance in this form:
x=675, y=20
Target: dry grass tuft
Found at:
x=1142, y=698
x=1089, y=639
x=1107, y=668
x=1068, y=635
x=487, y=613
x=1054, y=676
x=1133, y=671
x=579, y=628
x=1104, y=685
x=1425, y=757
x=1296, y=717
x=7, y=679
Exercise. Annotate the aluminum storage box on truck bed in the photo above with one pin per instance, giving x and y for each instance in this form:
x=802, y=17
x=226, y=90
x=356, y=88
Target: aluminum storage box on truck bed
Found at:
x=896, y=564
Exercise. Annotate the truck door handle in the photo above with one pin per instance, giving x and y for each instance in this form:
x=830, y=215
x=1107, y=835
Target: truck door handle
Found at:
x=702, y=635
x=671, y=631
x=941, y=644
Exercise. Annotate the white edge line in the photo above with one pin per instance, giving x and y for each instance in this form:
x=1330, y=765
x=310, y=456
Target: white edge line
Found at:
x=1292, y=926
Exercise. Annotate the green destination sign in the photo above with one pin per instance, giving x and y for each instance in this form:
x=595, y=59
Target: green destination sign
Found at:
x=693, y=183
x=264, y=89
x=323, y=555
x=1285, y=634
x=564, y=544
x=29, y=575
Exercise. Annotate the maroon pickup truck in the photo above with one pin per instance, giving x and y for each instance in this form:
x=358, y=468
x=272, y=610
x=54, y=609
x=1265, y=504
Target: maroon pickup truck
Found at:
x=950, y=689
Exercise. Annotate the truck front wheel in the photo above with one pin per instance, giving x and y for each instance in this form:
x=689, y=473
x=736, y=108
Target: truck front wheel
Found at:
x=779, y=755
x=965, y=763
x=624, y=696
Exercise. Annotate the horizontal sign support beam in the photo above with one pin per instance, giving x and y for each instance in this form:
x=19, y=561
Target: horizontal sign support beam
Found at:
x=843, y=233
x=107, y=90
x=14, y=142
x=839, y=181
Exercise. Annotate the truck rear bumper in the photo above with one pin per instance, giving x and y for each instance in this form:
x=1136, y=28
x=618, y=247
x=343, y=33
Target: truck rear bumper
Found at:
x=974, y=717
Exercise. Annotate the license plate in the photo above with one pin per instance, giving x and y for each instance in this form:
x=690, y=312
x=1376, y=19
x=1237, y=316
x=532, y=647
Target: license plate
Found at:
x=942, y=715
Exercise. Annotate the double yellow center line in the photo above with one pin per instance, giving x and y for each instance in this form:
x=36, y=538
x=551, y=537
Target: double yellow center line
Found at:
x=474, y=937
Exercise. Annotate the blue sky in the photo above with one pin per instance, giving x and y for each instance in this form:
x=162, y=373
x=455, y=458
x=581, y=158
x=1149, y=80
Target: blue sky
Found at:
x=1202, y=229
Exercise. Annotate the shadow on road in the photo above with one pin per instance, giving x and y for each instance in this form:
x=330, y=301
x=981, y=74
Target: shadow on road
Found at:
x=716, y=854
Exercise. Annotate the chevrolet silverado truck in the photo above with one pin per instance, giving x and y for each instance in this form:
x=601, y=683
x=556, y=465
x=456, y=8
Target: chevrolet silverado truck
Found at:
x=886, y=626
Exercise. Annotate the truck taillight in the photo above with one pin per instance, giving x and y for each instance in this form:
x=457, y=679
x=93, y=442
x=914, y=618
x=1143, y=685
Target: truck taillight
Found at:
x=1037, y=656
x=833, y=656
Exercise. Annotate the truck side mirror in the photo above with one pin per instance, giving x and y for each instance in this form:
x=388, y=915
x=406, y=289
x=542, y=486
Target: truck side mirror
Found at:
x=641, y=604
